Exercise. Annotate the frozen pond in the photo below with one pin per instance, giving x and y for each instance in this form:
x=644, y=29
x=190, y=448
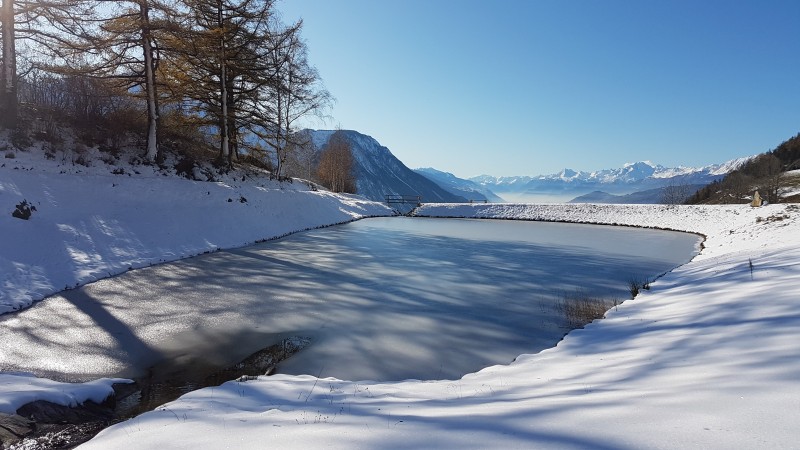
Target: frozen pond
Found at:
x=380, y=299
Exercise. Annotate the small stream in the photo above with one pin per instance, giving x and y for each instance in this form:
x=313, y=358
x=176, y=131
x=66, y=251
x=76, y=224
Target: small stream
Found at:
x=166, y=382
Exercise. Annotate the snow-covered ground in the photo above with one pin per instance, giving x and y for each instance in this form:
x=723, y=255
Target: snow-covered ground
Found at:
x=709, y=357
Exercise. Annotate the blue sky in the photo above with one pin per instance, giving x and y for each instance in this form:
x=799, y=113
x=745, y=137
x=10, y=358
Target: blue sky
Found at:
x=528, y=87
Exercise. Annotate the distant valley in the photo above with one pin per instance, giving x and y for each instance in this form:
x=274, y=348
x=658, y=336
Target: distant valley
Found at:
x=378, y=173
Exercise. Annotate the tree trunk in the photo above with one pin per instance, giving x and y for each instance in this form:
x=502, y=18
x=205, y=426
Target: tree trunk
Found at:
x=280, y=149
x=225, y=150
x=150, y=83
x=233, y=134
x=8, y=95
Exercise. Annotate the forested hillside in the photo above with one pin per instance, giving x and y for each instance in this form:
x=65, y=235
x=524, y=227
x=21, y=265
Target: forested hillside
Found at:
x=766, y=173
x=222, y=81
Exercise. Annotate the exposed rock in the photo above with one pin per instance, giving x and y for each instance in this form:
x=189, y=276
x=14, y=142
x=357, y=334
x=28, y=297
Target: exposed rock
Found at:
x=44, y=425
x=262, y=362
x=61, y=436
x=23, y=210
x=42, y=411
x=13, y=428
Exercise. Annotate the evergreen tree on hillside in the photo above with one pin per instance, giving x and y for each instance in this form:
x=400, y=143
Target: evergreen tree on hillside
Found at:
x=225, y=70
x=764, y=173
x=127, y=50
x=789, y=153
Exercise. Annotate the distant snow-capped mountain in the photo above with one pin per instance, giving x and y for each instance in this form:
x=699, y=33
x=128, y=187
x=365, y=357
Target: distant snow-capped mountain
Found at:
x=628, y=173
x=630, y=178
x=378, y=172
x=459, y=186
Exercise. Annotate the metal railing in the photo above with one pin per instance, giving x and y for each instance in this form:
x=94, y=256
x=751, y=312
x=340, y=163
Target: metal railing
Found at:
x=398, y=199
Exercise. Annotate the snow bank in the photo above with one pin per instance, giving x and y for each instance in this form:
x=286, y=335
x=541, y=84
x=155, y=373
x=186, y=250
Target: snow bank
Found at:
x=94, y=224
x=725, y=226
x=21, y=388
x=707, y=358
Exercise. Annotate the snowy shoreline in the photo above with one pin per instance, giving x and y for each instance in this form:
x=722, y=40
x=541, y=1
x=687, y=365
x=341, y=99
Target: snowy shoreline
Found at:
x=699, y=360
x=422, y=212
x=719, y=225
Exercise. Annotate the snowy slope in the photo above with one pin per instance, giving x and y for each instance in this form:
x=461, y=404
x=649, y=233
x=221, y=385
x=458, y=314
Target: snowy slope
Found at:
x=458, y=186
x=707, y=358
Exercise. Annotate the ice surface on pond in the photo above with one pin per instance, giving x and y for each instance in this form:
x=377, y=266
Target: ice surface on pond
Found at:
x=382, y=299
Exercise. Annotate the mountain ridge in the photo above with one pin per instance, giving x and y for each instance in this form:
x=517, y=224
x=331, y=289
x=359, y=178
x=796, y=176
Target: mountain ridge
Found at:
x=630, y=178
x=629, y=172
x=465, y=188
x=378, y=172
